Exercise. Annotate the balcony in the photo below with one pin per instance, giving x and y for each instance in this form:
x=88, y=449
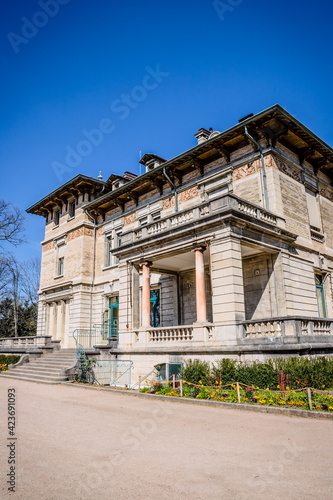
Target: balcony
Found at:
x=204, y=213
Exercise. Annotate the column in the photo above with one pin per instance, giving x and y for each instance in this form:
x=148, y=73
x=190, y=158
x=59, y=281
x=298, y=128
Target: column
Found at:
x=145, y=293
x=200, y=285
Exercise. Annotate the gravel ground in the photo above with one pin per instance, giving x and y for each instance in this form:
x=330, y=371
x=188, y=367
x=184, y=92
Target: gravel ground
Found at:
x=74, y=443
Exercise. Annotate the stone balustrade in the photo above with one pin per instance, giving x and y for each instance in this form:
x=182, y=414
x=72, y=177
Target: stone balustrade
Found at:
x=170, y=334
x=26, y=342
x=204, y=209
x=288, y=326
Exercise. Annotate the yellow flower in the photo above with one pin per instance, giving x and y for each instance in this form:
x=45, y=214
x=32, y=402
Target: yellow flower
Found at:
x=278, y=387
x=267, y=389
x=323, y=386
x=317, y=406
x=330, y=407
x=287, y=388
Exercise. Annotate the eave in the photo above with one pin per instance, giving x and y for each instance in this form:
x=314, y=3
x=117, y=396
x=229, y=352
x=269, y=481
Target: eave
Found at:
x=273, y=124
x=79, y=184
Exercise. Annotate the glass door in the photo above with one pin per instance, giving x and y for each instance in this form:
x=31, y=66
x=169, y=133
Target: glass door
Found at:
x=320, y=296
x=155, y=308
x=114, y=317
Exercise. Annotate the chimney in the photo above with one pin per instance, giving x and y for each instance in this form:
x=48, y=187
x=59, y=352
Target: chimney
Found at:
x=202, y=135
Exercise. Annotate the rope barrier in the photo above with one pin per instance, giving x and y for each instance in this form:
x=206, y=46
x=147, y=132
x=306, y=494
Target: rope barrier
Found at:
x=234, y=384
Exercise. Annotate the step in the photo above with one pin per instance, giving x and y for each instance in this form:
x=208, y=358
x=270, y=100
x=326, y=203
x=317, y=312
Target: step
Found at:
x=52, y=361
x=29, y=369
x=38, y=380
x=44, y=378
x=22, y=371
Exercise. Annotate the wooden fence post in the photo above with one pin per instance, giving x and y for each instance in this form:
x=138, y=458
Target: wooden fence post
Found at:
x=139, y=383
x=174, y=381
x=181, y=387
x=238, y=393
x=309, y=398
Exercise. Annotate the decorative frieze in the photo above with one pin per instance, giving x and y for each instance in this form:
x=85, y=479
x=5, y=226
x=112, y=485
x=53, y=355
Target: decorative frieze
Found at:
x=288, y=170
x=48, y=246
x=246, y=170
x=325, y=193
x=130, y=219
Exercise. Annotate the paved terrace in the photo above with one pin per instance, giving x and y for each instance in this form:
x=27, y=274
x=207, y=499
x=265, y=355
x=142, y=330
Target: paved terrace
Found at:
x=75, y=443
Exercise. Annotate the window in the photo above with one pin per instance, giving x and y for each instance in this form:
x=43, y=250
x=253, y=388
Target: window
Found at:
x=313, y=209
x=156, y=216
x=108, y=251
x=143, y=221
x=60, y=266
x=57, y=218
x=118, y=243
x=72, y=209
x=320, y=295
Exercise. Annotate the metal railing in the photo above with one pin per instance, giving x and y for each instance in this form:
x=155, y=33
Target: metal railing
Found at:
x=102, y=333
x=113, y=372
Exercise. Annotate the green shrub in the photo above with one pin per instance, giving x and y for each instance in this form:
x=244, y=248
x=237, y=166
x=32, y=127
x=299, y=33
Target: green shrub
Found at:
x=7, y=360
x=196, y=370
x=297, y=372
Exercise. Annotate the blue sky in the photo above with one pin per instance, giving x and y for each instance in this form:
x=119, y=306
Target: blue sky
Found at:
x=67, y=70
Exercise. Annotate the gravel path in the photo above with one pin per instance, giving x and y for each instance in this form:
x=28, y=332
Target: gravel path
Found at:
x=74, y=443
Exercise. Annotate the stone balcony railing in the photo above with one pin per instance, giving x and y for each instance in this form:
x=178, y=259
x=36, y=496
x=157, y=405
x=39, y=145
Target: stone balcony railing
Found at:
x=200, y=212
x=170, y=334
x=37, y=342
x=288, y=326
x=173, y=335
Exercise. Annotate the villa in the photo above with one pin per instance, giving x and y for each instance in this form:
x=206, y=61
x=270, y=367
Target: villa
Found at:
x=223, y=251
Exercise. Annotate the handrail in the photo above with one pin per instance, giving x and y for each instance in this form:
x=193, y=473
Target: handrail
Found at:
x=128, y=369
x=143, y=378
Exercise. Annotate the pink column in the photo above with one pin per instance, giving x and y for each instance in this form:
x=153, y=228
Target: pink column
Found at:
x=200, y=284
x=145, y=294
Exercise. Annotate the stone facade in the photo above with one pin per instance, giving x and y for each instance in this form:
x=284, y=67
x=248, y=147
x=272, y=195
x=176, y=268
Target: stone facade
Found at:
x=228, y=249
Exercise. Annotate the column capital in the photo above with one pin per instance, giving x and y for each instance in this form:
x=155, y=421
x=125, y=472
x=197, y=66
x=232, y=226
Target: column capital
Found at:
x=199, y=248
x=146, y=263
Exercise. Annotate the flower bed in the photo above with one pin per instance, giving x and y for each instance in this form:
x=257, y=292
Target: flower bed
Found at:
x=321, y=401
x=6, y=360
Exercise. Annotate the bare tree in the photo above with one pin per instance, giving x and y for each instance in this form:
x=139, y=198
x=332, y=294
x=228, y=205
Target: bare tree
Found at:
x=13, y=288
x=30, y=276
x=4, y=274
x=11, y=224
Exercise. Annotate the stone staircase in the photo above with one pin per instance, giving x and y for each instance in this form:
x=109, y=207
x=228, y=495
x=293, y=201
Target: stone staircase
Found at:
x=45, y=369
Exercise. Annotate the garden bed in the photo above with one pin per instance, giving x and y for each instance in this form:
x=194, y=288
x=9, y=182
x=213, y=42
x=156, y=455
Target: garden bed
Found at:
x=319, y=400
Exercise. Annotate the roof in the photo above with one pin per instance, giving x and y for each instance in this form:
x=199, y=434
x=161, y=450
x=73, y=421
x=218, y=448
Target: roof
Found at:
x=76, y=184
x=274, y=124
